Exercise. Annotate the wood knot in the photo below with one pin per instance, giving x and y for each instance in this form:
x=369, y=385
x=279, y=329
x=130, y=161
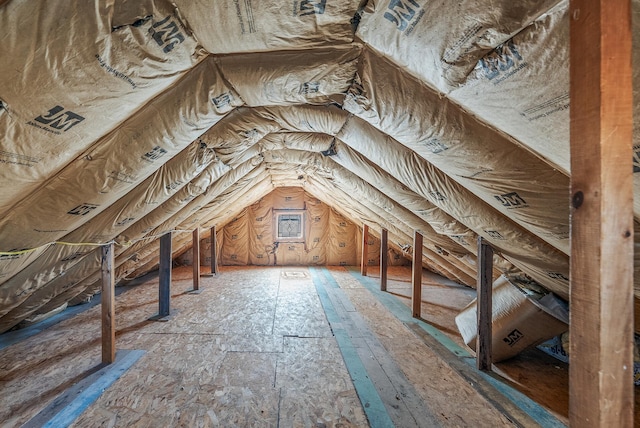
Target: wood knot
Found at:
x=577, y=199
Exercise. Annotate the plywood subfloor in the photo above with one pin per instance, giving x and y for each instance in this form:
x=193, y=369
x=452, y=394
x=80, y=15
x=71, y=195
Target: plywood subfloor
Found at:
x=537, y=375
x=253, y=349
x=534, y=373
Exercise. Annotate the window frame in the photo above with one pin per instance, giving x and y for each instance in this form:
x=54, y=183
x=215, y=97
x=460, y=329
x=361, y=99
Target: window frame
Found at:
x=276, y=221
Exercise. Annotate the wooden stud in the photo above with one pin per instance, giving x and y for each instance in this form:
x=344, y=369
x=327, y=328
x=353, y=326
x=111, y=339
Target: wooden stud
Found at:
x=196, y=258
x=484, y=309
x=214, y=250
x=416, y=295
x=601, y=292
x=108, y=305
x=384, y=258
x=365, y=254
x=164, y=306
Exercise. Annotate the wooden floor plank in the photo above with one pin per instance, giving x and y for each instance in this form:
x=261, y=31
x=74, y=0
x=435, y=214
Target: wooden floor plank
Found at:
x=247, y=319
x=518, y=408
x=402, y=403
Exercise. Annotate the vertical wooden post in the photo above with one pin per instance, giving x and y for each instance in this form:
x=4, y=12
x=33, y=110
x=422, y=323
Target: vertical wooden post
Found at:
x=416, y=295
x=108, y=305
x=164, y=306
x=384, y=258
x=196, y=258
x=365, y=253
x=484, y=309
x=601, y=292
x=214, y=251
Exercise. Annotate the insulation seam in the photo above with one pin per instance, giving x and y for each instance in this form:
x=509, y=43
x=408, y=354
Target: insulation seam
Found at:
x=88, y=244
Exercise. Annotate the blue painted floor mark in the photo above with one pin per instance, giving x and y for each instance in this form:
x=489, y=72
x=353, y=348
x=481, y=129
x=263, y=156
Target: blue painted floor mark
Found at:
x=106, y=376
x=402, y=312
x=367, y=393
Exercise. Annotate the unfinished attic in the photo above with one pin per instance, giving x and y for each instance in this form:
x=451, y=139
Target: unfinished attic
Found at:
x=319, y=213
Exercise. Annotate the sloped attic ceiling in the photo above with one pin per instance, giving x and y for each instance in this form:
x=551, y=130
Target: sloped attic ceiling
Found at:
x=121, y=120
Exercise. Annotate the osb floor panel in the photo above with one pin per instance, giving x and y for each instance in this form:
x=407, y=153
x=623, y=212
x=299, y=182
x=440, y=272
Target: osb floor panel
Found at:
x=456, y=402
x=534, y=373
x=253, y=349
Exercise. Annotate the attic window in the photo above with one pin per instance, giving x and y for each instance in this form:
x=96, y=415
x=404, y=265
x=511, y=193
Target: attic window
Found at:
x=289, y=226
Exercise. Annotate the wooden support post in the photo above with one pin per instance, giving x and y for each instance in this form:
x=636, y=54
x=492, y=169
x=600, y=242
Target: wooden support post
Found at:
x=365, y=253
x=416, y=295
x=164, y=307
x=214, y=251
x=484, y=309
x=601, y=293
x=196, y=258
x=384, y=258
x=108, y=305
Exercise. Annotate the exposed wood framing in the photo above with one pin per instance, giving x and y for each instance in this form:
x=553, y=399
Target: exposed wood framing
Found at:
x=601, y=292
x=364, y=257
x=484, y=310
x=196, y=258
x=108, y=305
x=384, y=258
x=164, y=305
x=416, y=295
x=214, y=250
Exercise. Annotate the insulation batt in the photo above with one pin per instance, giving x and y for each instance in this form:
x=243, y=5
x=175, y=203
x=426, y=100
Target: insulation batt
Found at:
x=547, y=265
x=84, y=45
x=112, y=168
x=441, y=42
x=320, y=77
x=269, y=25
x=127, y=119
x=510, y=88
x=477, y=157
